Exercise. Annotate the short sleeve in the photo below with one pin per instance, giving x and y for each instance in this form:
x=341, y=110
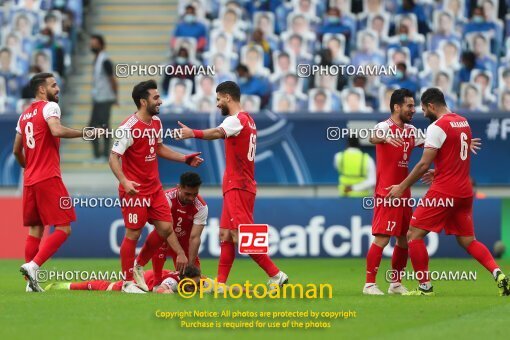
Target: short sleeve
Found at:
x=124, y=141
x=435, y=137
x=51, y=109
x=200, y=217
x=382, y=126
x=231, y=126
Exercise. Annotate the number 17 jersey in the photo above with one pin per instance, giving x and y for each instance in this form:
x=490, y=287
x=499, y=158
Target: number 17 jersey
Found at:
x=240, y=133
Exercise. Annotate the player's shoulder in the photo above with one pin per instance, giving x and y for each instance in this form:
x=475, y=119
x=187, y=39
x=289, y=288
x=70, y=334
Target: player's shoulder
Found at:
x=156, y=118
x=49, y=105
x=129, y=122
x=387, y=123
x=409, y=126
x=199, y=202
x=171, y=193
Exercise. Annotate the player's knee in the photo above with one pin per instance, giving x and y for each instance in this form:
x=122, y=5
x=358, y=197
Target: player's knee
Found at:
x=66, y=230
x=464, y=242
x=382, y=241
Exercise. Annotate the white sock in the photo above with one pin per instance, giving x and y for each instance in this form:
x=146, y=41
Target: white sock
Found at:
x=277, y=275
x=34, y=265
x=395, y=284
x=369, y=284
x=495, y=273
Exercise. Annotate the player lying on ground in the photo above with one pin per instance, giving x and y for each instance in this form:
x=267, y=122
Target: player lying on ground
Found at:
x=134, y=161
x=189, y=211
x=169, y=284
x=447, y=145
x=36, y=148
x=239, y=186
x=393, y=150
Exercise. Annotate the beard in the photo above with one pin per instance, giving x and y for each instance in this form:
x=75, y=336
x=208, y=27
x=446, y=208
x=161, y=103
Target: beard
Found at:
x=153, y=110
x=224, y=111
x=52, y=97
x=432, y=118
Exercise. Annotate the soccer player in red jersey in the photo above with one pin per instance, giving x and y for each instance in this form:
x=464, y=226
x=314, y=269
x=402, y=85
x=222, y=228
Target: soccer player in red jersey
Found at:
x=395, y=139
x=239, y=186
x=36, y=148
x=134, y=161
x=447, y=145
x=189, y=211
x=168, y=285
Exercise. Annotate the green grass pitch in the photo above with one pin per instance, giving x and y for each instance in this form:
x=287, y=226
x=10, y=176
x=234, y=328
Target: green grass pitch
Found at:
x=464, y=309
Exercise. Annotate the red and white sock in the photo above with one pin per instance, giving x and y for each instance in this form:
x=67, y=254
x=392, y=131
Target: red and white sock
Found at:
x=50, y=247
x=227, y=257
x=127, y=257
x=374, y=257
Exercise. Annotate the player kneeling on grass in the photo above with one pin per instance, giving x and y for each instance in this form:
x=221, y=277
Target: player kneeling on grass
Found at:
x=447, y=145
x=189, y=213
x=168, y=285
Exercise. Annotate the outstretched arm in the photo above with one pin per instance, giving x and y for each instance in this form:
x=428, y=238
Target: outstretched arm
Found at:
x=208, y=134
x=166, y=152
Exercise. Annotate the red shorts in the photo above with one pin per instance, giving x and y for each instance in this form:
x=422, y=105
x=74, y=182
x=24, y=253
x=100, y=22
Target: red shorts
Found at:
x=47, y=203
x=392, y=221
x=137, y=212
x=456, y=219
x=237, y=208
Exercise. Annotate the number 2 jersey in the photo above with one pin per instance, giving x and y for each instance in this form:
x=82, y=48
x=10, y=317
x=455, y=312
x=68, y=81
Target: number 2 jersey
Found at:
x=41, y=148
x=240, y=134
x=451, y=136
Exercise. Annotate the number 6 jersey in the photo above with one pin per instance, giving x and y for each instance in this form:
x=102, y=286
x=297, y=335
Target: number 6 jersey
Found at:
x=240, y=135
x=451, y=136
x=41, y=148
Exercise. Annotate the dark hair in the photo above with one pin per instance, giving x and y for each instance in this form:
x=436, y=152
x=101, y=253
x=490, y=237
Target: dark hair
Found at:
x=230, y=88
x=38, y=80
x=99, y=38
x=5, y=49
x=398, y=97
x=191, y=271
x=433, y=96
x=141, y=90
x=190, y=179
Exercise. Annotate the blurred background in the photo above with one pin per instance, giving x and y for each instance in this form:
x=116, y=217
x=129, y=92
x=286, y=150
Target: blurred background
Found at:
x=459, y=46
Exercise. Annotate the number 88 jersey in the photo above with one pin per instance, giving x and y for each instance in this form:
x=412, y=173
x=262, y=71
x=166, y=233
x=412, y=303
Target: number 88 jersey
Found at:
x=240, y=133
x=41, y=148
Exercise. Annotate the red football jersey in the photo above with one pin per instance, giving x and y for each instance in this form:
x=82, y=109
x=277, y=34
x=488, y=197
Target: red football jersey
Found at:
x=185, y=216
x=392, y=162
x=41, y=148
x=137, y=144
x=451, y=136
x=171, y=278
x=240, y=146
